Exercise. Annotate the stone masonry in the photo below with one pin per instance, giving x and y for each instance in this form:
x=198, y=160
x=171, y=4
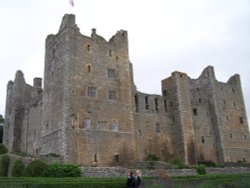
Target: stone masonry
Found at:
x=89, y=111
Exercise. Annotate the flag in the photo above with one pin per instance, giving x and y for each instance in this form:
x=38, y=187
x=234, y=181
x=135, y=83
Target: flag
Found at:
x=71, y=2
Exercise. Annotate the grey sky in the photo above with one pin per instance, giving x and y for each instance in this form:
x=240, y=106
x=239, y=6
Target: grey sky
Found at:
x=164, y=36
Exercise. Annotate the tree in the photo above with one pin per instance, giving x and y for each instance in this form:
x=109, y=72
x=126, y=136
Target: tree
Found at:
x=1, y=128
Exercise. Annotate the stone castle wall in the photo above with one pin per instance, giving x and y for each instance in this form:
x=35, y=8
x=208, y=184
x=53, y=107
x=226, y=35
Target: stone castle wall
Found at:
x=90, y=113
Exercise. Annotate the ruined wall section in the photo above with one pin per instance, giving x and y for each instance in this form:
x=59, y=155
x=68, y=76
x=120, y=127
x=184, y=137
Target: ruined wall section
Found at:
x=203, y=110
x=176, y=89
x=152, y=127
x=233, y=121
x=18, y=95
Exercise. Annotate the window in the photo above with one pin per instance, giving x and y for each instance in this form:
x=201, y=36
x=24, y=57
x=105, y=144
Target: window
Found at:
x=202, y=139
x=199, y=100
x=171, y=104
x=87, y=123
x=116, y=157
x=111, y=73
x=245, y=137
x=91, y=92
x=112, y=95
x=227, y=117
x=198, y=89
x=164, y=93
x=158, y=128
x=231, y=136
x=165, y=105
x=110, y=53
x=115, y=126
x=156, y=105
x=241, y=120
x=95, y=158
x=195, y=112
x=89, y=69
x=88, y=48
x=162, y=152
x=146, y=103
x=140, y=132
x=136, y=104
x=117, y=58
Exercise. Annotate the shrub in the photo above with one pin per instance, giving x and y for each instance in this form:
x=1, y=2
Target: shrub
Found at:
x=62, y=170
x=4, y=165
x=35, y=168
x=178, y=161
x=17, y=169
x=207, y=163
x=3, y=149
x=200, y=169
x=152, y=158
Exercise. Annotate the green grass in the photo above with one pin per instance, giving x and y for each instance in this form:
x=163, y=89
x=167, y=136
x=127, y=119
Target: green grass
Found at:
x=199, y=181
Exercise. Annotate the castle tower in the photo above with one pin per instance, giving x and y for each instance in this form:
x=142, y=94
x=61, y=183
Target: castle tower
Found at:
x=18, y=94
x=176, y=92
x=88, y=97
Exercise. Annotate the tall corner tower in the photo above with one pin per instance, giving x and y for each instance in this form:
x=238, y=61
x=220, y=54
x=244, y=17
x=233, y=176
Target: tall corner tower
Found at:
x=87, y=102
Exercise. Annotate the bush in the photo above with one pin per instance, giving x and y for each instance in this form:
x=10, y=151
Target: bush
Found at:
x=35, y=168
x=3, y=149
x=4, y=165
x=17, y=168
x=178, y=161
x=207, y=163
x=152, y=158
x=200, y=169
x=62, y=170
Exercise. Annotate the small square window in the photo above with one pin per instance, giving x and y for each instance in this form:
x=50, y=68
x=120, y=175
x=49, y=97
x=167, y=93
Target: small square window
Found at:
x=111, y=73
x=112, y=95
x=91, y=92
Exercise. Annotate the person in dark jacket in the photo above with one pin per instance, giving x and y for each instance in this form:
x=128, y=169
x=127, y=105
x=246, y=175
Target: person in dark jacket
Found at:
x=130, y=180
x=138, y=179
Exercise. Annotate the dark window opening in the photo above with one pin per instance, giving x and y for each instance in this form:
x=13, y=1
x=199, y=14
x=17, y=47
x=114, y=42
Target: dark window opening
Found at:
x=112, y=95
x=91, y=92
x=110, y=53
x=89, y=69
x=181, y=75
x=165, y=105
x=88, y=47
x=241, y=120
x=199, y=100
x=233, y=90
x=202, y=139
x=146, y=103
x=231, y=136
x=244, y=159
x=158, y=128
x=224, y=101
x=116, y=157
x=95, y=158
x=198, y=89
x=140, y=132
x=162, y=152
x=195, y=112
x=245, y=137
x=117, y=58
x=173, y=119
x=171, y=104
x=156, y=105
x=227, y=117
x=111, y=73
x=53, y=53
x=136, y=104
x=164, y=93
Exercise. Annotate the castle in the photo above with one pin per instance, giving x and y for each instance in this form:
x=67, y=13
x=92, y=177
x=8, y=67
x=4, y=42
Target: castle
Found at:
x=89, y=111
